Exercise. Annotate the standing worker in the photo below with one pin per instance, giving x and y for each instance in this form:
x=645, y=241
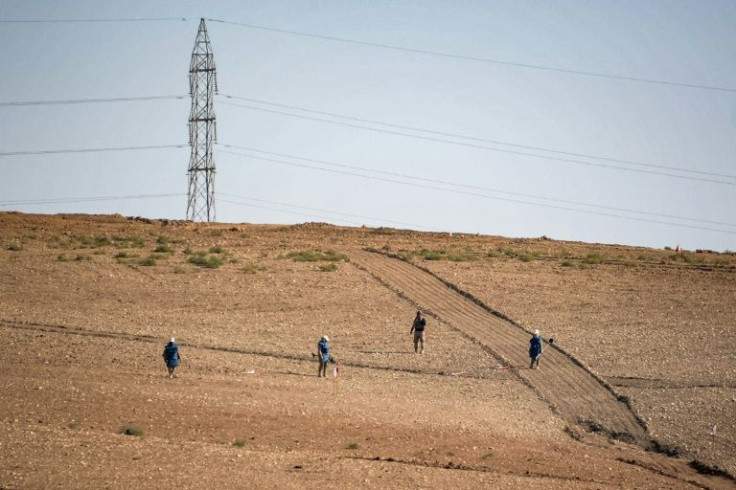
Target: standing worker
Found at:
x=323, y=352
x=418, y=328
x=535, y=350
x=171, y=356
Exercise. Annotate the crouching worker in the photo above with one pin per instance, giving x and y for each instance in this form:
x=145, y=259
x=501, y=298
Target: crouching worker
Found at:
x=323, y=353
x=535, y=350
x=171, y=356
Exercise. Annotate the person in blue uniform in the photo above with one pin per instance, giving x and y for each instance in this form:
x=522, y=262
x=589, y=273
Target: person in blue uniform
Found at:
x=535, y=350
x=171, y=356
x=323, y=353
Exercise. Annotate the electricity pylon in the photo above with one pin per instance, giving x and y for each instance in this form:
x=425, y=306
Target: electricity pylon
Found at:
x=202, y=129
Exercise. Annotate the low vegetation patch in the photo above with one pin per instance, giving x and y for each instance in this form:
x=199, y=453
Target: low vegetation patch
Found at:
x=253, y=269
x=317, y=256
x=352, y=446
x=149, y=261
x=453, y=255
x=238, y=443
x=331, y=267
x=15, y=247
x=131, y=430
x=594, y=259
x=208, y=262
x=164, y=249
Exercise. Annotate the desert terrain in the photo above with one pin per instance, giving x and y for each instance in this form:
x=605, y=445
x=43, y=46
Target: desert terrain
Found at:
x=641, y=367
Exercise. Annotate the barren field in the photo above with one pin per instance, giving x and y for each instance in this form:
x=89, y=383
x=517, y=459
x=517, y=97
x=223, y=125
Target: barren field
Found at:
x=643, y=362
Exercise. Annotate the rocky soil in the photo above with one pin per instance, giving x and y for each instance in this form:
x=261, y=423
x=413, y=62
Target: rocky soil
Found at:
x=87, y=303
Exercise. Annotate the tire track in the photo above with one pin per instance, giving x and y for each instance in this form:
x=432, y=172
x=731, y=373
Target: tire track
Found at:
x=562, y=381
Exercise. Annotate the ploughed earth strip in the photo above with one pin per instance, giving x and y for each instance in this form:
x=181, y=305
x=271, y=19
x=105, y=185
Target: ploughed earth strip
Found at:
x=570, y=389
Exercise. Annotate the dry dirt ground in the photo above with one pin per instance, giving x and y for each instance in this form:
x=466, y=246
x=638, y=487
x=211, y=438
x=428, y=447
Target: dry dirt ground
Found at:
x=87, y=303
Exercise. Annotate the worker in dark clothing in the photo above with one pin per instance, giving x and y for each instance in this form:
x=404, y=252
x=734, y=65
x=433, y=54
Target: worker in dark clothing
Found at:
x=171, y=356
x=418, y=329
x=535, y=350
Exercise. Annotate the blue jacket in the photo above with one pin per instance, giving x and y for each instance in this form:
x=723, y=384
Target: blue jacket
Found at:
x=171, y=354
x=324, y=350
x=535, y=347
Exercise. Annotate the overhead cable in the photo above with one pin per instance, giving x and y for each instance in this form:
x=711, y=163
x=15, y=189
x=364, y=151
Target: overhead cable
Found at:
x=65, y=200
x=483, y=147
x=480, y=188
x=90, y=101
x=74, y=21
x=88, y=150
x=472, y=138
x=480, y=59
x=475, y=194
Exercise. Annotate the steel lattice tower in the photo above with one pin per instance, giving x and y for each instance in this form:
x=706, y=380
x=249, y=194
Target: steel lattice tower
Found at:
x=202, y=129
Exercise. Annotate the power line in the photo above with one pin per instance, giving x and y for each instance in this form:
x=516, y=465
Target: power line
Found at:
x=481, y=188
x=89, y=101
x=482, y=147
x=88, y=150
x=73, y=21
x=479, y=59
x=403, y=223
x=482, y=140
x=476, y=194
x=65, y=200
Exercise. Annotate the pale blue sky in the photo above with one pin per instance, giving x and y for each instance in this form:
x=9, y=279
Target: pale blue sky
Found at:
x=513, y=195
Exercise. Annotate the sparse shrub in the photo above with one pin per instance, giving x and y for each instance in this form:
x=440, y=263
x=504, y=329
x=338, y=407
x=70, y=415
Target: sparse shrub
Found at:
x=62, y=258
x=212, y=262
x=386, y=248
x=526, y=257
x=316, y=256
x=15, y=247
x=353, y=446
x=566, y=263
x=304, y=256
x=178, y=270
x=217, y=233
x=681, y=257
x=594, y=259
x=164, y=249
x=101, y=241
x=187, y=251
x=466, y=255
x=149, y=261
x=488, y=455
x=120, y=256
x=668, y=248
x=331, y=267
x=492, y=254
x=333, y=256
x=80, y=257
x=217, y=250
x=427, y=254
x=127, y=242
x=238, y=443
x=252, y=269
x=162, y=240
x=131, y=430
